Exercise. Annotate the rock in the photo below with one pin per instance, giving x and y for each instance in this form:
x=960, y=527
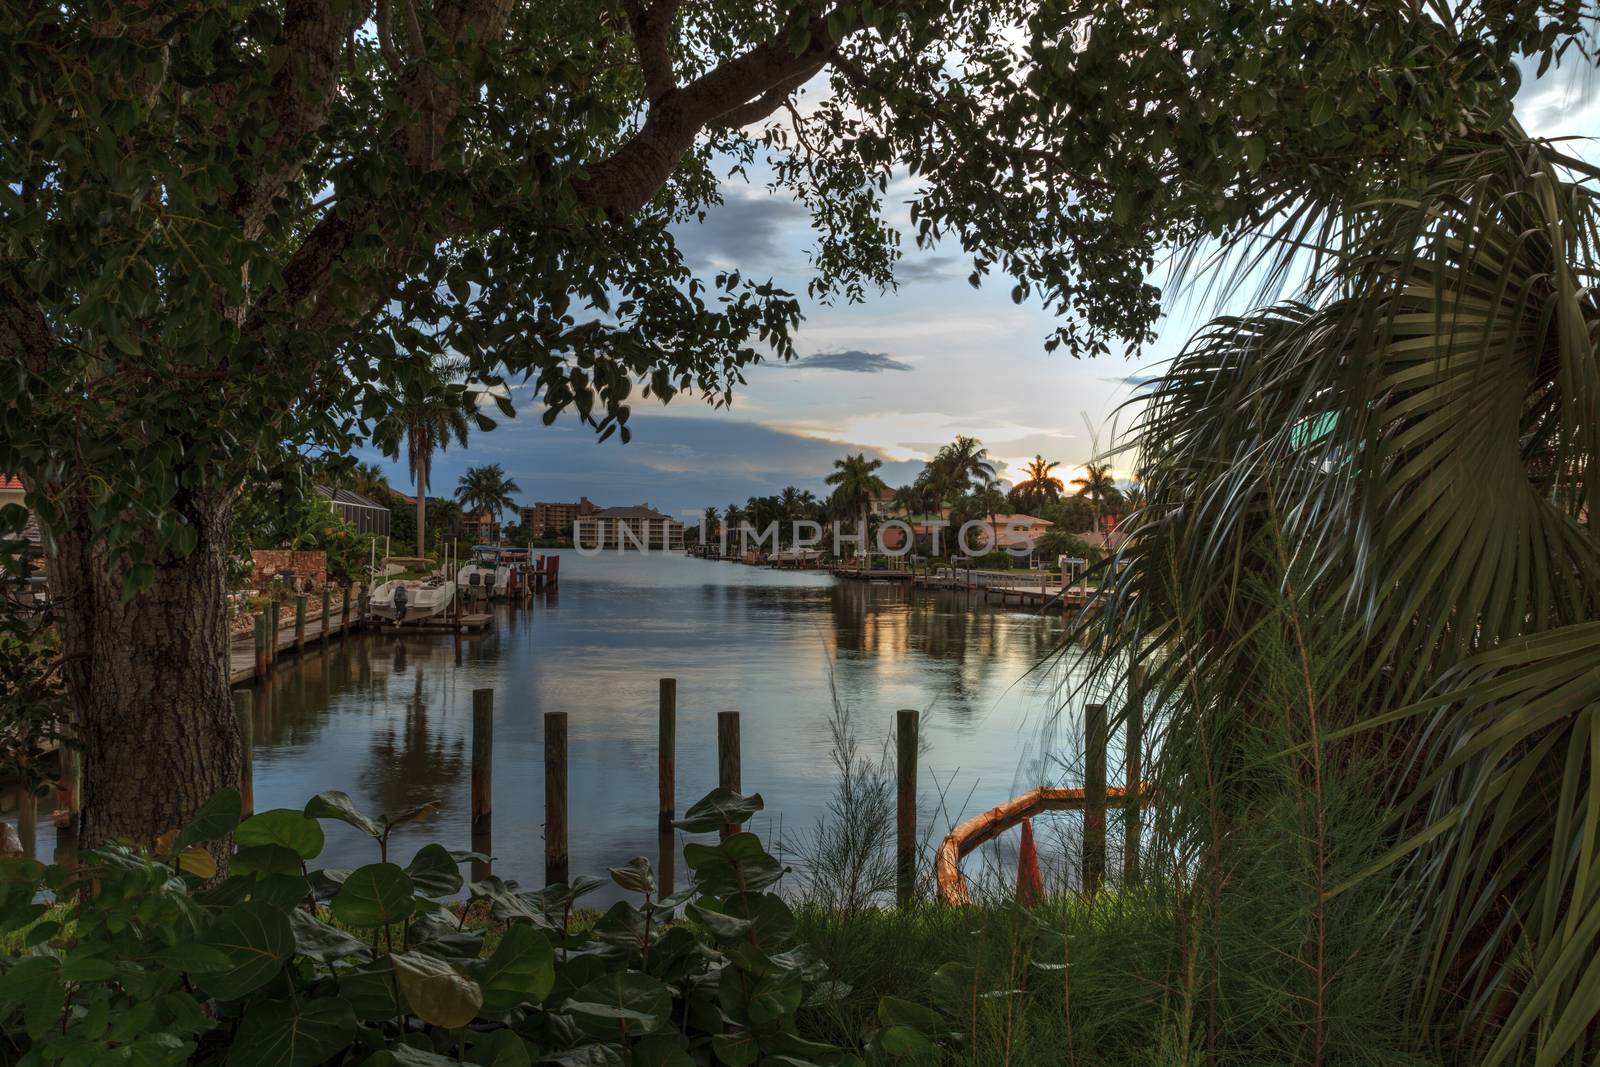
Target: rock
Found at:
x=10, y=843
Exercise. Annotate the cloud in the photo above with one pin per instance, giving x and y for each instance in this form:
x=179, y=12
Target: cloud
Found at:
x=754, y=232
x=850, y=359
x=928, y=268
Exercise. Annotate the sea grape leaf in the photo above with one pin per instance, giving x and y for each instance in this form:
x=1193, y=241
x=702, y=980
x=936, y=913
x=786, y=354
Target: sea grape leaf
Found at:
x=292, y=1033
x=628, y=1002
x=323, y=942
x=216, y=819
x=717, y=808
x=436, y=991
x=258, y=941
x=286, y=827
x=336, y=804
x=434, y=872
x=522, y=969
x=635, y=876
x=374, y=895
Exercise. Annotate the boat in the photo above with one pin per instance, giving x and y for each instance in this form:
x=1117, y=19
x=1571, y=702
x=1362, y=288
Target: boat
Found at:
x=425, y=597
x=493, y=570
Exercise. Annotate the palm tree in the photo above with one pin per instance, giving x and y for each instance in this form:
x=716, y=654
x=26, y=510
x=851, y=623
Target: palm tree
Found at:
x=367, y=479
x=1370, y=536
x=708, y=526
x=486, y=488
x=856, y=485
x=964, y=464
x=428, y=411
x=1040, y=486
x=1097, y=486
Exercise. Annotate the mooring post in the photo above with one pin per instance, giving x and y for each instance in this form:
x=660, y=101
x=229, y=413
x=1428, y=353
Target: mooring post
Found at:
x=327, y=612
x=555, y=797
x=261, y=644
x=667, y=755
x=299, y=623
x=728, y=776
x=1094, y=797
x=361, y=608
x=243, y=709
x=27, y=822
x=344, y=611
x=274, y=623
x=69, y=786
x=905, y=772
x=482, y=759
x=1133, y=761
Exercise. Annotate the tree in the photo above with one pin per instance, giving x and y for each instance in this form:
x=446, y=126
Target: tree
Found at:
x=964, y=464
x=709, y=526
x=1039, y=487
x=368, y=480
x=856, y=485
x=232, y=232
x=1382, y=491
x=431, y=409
x=1097, y=485
x=486, y=488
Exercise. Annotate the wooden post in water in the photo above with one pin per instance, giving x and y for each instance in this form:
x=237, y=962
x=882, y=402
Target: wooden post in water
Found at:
x=69, y=786
x=262, y=661
x=667, y=756
x=555, y=797
x=728, y=776
x=28, y=822
x=1094, y=797
x=667, y=785
x=274, y=613
x=299, y=623
x=905, y=768
x=482, y=759
x=1133, y=763
x=327, y=612
x=344, y=611
x=243, y=707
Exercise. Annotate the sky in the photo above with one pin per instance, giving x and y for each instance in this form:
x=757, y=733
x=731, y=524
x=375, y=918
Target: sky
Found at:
x=894, y=377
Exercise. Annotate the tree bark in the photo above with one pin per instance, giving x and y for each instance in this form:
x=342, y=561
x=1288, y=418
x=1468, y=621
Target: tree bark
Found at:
x=148, y=677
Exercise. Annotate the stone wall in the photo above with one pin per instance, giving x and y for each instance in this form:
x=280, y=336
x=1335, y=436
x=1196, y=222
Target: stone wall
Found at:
x=309, y=565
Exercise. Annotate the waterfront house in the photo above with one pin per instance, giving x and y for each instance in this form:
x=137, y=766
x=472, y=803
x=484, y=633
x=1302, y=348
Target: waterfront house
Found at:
x=640, y=526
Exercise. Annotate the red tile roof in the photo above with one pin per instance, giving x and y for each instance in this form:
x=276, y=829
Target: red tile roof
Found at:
x=7, y=482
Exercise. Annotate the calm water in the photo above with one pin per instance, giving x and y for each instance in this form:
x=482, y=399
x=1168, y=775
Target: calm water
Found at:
x=388, y=718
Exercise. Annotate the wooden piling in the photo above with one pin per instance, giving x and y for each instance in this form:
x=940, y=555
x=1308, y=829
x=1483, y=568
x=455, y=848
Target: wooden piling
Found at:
x=555, y=797
x=1133, y=763
x=667, y=756
x=28, y=822
x=69, y=786
x=728, y=775
x=262, y=656
x=482, y=759
x=274, y=617
x=905, y=806
x=243, y=713
x=327, y=612
x=344, y=611
x=299, y=623
x=1094, y=797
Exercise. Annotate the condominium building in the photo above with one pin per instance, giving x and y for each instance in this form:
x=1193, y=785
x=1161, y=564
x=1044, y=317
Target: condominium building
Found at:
x=544, y=518
x=631, y=527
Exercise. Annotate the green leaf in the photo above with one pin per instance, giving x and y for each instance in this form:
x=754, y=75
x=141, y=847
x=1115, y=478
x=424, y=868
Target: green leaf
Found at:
x=893, y=1011
x=522, y=969
x=322, y=942
x=434, y=871
x=191, y=958
x=635, y=876
x=257, y=940
x=717, y=808
x=371, y=990
x=904, y=1042
x=502, y=1048
x=292, y=1033
x=216, y=819
x=661, y=1051
x=628, y=1002
x=266, y=859
x=374, y=895
x=436, y=991
x=775, y=997
x=335, y=804
x=737, y=1050
x=291, y=829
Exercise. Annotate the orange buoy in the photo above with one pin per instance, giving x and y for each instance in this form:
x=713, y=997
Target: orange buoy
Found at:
x=1030, y=883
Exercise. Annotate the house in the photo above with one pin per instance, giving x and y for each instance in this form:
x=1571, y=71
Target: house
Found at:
x=365, y=514
x=640, y=526
x=546, y=519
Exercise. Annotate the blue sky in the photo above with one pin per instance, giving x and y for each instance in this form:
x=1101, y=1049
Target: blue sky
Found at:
x=894, y=377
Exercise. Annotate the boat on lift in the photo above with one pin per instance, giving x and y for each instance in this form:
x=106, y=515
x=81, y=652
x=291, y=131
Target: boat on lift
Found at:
x=493, y=570
x=403, y=599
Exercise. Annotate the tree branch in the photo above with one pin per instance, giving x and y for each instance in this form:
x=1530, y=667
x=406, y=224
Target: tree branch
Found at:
x=651, y=24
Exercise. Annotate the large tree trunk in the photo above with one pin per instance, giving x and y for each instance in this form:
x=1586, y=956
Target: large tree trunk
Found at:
x=422, y=513
x=148, y=678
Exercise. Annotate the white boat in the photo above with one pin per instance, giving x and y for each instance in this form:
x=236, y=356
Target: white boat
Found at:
x=424, y=597
x=493, y=571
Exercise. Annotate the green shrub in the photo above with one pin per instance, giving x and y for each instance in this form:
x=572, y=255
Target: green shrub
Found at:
x=148, y=957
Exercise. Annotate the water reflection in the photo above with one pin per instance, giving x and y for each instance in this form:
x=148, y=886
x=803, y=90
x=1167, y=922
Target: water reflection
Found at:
x=388, y=717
